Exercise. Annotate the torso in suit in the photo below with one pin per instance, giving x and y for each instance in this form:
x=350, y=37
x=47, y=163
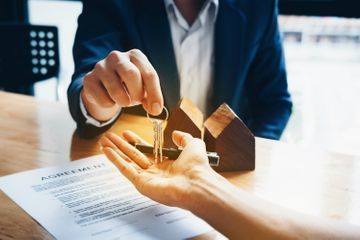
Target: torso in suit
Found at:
x=249, y=70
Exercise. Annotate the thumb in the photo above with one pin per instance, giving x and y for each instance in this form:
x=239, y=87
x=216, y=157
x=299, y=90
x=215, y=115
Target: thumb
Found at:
x=181, y=139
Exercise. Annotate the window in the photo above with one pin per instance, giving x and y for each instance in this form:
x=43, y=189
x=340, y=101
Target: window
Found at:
x=323, y=64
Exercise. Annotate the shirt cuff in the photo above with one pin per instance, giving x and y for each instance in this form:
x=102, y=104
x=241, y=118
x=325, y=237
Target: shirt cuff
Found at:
x=93, y=121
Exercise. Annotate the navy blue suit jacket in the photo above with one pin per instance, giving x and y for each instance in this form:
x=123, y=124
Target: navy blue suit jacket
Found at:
x=250, y=71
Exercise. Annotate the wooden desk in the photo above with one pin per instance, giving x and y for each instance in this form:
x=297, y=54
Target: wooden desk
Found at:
x=36, y=134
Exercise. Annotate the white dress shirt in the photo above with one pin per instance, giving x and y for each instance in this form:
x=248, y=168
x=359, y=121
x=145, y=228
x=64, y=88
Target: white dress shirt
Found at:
x=194, y=52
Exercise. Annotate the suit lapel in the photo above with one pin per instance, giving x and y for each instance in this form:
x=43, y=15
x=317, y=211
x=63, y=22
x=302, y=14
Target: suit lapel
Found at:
x=156, y=34
x=229, y=43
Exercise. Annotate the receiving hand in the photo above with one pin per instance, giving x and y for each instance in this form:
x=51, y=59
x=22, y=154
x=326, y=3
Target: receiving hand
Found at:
x=167, y=182
x=122, y=79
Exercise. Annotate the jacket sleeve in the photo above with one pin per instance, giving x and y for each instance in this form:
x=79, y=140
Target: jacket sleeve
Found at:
x=267, y=88
x=96, y=36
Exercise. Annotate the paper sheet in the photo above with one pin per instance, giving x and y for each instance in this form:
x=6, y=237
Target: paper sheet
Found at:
x=90, y=199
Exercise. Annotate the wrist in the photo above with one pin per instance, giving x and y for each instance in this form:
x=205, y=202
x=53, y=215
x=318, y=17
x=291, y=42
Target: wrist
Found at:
x=203, y=189
x=219, y=203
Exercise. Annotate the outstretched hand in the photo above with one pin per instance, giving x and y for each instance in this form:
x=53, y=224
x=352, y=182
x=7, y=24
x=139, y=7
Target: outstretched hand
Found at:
x=167, y=182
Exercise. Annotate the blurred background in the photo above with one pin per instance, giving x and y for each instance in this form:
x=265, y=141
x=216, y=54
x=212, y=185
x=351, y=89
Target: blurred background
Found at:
x=322, y=48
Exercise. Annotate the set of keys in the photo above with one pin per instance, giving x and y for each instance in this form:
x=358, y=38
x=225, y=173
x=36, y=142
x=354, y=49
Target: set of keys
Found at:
x=170, y=153
x=158, y=136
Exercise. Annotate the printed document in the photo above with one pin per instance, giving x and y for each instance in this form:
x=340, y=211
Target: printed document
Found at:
x=90, y=199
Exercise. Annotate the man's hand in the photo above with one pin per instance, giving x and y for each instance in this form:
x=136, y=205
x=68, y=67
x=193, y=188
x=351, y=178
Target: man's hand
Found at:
x=168, y=182
x=122, y=79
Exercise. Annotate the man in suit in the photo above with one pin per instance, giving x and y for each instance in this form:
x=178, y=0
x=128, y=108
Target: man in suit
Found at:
x=136, y=52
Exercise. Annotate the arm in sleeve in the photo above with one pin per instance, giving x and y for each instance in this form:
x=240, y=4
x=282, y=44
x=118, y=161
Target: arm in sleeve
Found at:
x=270, y=102
x=96, y=36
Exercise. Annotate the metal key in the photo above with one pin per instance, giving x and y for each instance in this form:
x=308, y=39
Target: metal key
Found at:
x=158, y=140
x=158, y=136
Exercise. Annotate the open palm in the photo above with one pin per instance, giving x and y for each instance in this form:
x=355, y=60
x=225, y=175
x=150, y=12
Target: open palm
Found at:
x=165, y=182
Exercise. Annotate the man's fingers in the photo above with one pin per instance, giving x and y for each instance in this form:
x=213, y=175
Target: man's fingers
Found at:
x=126, y=79
x=154, y=101
x=95, y=92
x=137, y=156
x=124, y=167
x=131, y=78
x=181, y=139
x=112, y=82
x=132, y=137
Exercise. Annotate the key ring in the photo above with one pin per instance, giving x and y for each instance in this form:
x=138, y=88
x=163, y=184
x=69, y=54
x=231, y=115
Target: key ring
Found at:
x=154, y=121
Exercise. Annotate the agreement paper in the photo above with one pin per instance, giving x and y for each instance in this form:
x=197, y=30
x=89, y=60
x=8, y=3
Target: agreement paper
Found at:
x=90, y=199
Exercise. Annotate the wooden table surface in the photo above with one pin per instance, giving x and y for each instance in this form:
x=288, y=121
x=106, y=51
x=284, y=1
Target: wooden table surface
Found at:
x=36, y=134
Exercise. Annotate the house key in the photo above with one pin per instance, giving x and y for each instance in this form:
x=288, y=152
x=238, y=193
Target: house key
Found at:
x=158, y=136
